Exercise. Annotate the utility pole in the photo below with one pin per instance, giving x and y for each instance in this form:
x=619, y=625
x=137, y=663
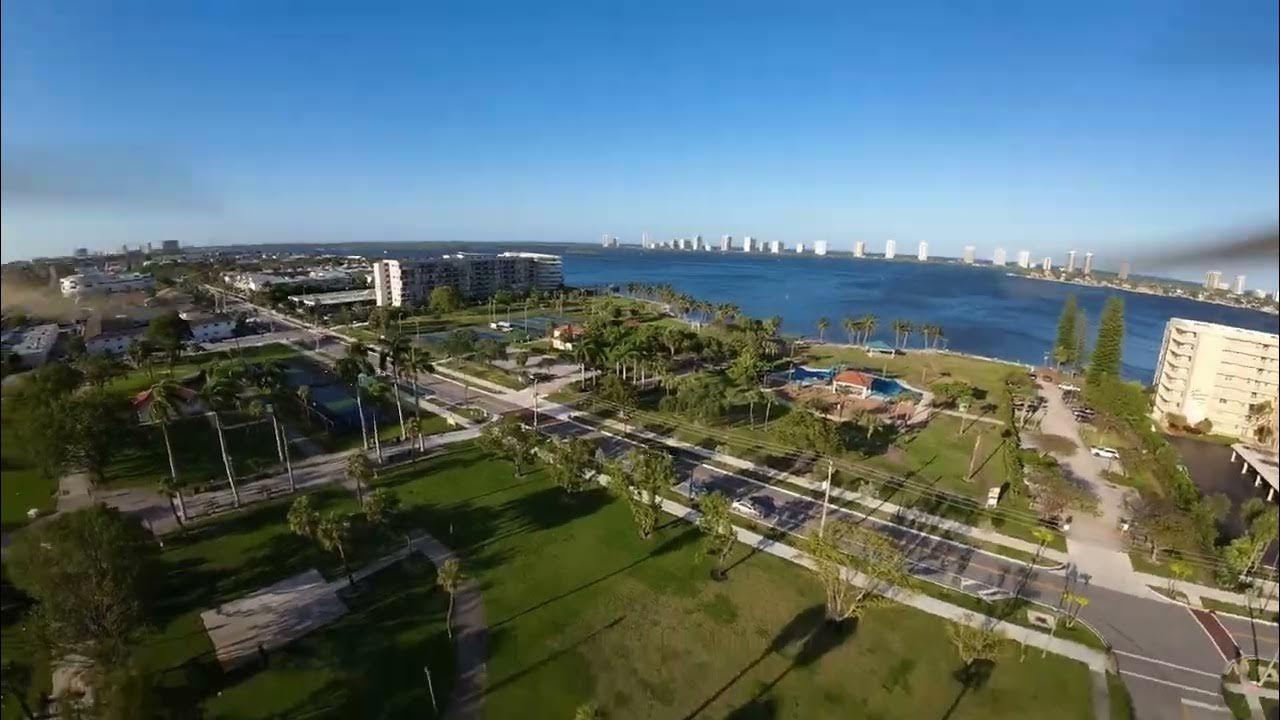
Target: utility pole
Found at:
x=535, y=404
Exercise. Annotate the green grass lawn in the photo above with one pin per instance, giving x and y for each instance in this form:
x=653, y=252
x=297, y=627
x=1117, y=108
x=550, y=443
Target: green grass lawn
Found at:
x=582, y=609
x=197, y=454
x=22, y=487
x=485, y=371
x=920, y=369
x=1242, y=610
x=367, y=664
x=1121, y=703
x=136, y=381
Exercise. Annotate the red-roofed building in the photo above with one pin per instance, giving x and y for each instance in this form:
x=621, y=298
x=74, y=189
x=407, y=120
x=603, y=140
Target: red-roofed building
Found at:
x=564, y=336
x=188, y=402
x=853, y=383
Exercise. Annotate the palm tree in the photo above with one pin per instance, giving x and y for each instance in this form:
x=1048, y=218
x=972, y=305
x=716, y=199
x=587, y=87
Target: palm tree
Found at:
x=901, y=328
x=350, y=369
x=171, y=488
x=221, y=390
x=449, y=578
x=851, y=326
x=360, y=473
x=164, y=410
x=938, y=334
x=333, y=531
x=823, y=324
x=377, y=391
x=397, y=351
x=868, y=324
x=418, y=363
x=304, y=397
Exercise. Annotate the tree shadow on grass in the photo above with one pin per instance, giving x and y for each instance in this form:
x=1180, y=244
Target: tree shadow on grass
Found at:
x=816, y=637
x=551, y=657
x=971, y=677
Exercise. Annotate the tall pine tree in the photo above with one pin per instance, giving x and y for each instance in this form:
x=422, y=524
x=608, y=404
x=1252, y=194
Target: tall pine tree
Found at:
x=1064, y=347
x=1105, y=363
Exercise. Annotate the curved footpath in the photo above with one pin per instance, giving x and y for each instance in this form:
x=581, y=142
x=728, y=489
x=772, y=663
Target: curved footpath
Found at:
x=470, y=638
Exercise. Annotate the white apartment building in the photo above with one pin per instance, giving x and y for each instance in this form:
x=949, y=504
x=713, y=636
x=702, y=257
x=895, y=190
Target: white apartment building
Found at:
x=1024, y=259
x=922, y=252
x=799, y=248
x=775, y=247
x=999, y=257
x=609, y=241
x=1088, y=263
x=970, y=254
x=819, y=247
x=103, y=283
x=1215, y=372
x=209, y=327
x=1237, y=287
x=1071, y=261
x=749, y=244
x=1046, y=264
x=726, y=243
x=1212, y=280
x=410, y=282
x=890, y=250
x=859, y=249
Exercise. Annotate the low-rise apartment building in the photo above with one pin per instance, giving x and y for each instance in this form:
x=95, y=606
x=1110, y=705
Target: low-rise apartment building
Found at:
x=102, y=283
x=401, y=283
x=1217, y=373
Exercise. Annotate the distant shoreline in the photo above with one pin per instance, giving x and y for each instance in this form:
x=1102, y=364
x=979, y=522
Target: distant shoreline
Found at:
x=1266, y=311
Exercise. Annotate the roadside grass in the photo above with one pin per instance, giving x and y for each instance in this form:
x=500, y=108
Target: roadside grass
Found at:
x=1241, y=610
x=387, y=431
x=1121, y=702
x=1238, y=705
x=581, y=608
x=1141, y=559
x=486, y=371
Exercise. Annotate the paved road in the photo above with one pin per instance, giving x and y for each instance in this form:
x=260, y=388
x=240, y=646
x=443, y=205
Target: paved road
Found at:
x=1160, y=648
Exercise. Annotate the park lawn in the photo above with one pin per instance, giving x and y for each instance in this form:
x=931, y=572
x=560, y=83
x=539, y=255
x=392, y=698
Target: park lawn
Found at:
x=197, y=454
x=486, y=371
x=1241, y=610
x=922, y=369
x=580, y=608
x=223, y=559
x=367, y=664
x=22, y=487
x=137, y=380
x=940, y=455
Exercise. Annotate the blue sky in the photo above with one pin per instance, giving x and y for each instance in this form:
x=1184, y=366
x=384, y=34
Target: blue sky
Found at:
x=1116, y=127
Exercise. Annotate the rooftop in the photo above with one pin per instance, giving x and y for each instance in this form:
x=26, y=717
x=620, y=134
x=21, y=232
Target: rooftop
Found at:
x=853, y=377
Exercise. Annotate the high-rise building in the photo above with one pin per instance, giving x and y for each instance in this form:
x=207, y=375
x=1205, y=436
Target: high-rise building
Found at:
x=1024, y=259
x=969, y=254
x=169, y=247
x=859, y=249
x=1212, y=279
x=1088, y=264
x=775, y=247
x=400, y=283
x=1237, y=287
x=1046, y=264
x=697, y=242
x=749, y=244
x=1071, y=261
x=890, y=249
x=799, y=248
x=1217, y=373
x=726, y=243
x=922, y=252
x=609, y=241
x=1124, y=270
x=819, y=247
x=999, y=257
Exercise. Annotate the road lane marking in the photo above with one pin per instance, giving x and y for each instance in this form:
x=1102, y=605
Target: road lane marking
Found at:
x=1163, y=662
x=1206, y=706
x=1170, y=683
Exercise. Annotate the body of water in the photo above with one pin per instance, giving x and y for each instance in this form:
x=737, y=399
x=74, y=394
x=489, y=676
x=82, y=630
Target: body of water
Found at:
x=981, y=310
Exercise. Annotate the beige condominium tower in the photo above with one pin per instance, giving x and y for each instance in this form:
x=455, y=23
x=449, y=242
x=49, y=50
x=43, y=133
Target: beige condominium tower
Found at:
x=1222, y=374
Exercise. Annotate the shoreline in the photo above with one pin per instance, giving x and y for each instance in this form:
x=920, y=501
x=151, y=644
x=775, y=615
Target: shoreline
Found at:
x=1139, y=291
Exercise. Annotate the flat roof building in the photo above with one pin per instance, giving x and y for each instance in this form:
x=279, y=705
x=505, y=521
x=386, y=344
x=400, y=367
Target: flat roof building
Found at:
x=859, y=249
x=922, y=252
x=399, y=283
x=890, y=250
x=970, y=254
x=95, y=283
x=1216, y=374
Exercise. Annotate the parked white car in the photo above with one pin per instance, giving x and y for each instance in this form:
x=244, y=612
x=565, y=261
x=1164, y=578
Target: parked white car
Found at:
x=1104, y=452
x=745, y=507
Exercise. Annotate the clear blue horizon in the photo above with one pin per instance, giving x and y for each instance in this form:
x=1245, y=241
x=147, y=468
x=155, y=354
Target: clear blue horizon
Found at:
x=1024, y=126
